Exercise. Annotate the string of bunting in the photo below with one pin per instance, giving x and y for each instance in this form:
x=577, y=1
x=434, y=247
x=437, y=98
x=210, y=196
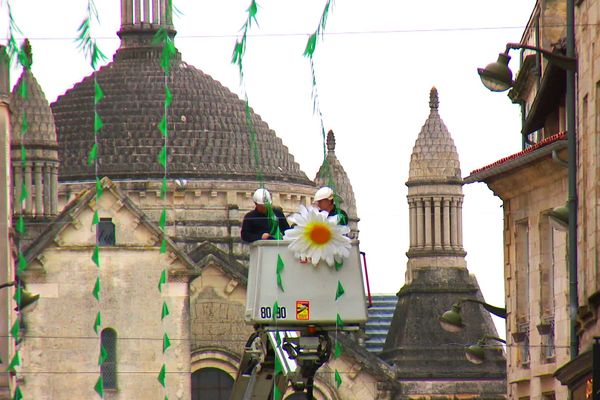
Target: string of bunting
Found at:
x=237, y=58
x=21, y=56
x=168, y=52
x=309, y=52
x=87, y=44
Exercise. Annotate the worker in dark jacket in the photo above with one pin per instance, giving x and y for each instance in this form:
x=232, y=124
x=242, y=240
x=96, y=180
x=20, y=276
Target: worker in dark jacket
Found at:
x=258, y=224
x=324, y=201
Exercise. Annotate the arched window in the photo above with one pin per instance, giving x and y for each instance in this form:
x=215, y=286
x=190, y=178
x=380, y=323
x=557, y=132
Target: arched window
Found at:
x=211, y=383
x=108, y=338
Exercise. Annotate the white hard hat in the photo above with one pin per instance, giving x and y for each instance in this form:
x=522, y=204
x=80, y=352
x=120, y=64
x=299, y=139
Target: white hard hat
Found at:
x=261, y=196
x=324, y=193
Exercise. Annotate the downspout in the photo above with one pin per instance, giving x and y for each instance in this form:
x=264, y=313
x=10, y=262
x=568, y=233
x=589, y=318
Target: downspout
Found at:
x=572, y=183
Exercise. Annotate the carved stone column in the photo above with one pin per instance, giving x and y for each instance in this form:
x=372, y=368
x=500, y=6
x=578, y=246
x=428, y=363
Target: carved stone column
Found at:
x=39, y=189
x=428, y=233
x=437, y=223
x=459, y=232
x=18, y=171
x=420, y=218
x=453, y=227
x=28, y=184
x=412, y=214
x=446, y=212
x=54, y=190
x=47, y=188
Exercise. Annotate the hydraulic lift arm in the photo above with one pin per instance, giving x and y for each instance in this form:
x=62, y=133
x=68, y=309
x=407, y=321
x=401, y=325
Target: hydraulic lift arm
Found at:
x=282, y=359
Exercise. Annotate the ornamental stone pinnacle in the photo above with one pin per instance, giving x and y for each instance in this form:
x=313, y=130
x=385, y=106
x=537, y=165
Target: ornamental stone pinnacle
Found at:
x=434, y=102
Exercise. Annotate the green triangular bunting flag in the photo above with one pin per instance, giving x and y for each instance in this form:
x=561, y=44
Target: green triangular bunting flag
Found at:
x=16, y=361
x=103, y=355
x=165, y=310
x=166, y=342
x=337, y=352
x=97, y=322
x=338, y=379
x=99, y=387
x=163, y=280
x=96, y=291
x=340, y=290
x=162, y=374
x=96, y=256
x=18, y=394
x=338, y=322
x=14, y=331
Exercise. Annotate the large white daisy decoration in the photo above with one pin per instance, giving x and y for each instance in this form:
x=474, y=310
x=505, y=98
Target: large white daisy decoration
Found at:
x=317, y=237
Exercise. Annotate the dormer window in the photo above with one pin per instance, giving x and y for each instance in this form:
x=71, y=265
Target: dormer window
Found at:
x=105, y=232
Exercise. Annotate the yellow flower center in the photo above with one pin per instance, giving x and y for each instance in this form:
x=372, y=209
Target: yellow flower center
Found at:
x=319, y=234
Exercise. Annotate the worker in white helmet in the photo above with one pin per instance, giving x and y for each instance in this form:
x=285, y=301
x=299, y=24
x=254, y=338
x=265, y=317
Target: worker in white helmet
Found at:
x=258, y=224
x=324, y=201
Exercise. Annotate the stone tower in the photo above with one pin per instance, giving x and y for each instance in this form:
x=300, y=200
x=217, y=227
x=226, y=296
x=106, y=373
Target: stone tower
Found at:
x=431, y=361
x=332, y=173
x=33, y=131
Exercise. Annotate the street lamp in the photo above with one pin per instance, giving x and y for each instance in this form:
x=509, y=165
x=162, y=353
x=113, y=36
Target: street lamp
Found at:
x=497, y=77
x=475, y=353
x=451, y=320
x=28, y=299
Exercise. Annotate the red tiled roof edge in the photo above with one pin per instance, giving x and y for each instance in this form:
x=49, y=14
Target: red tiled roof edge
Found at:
x=542, y=143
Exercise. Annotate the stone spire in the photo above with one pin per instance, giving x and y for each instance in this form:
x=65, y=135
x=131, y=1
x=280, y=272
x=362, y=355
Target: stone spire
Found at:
x=431, y=362
x=40, y=172
x=435, y=196
x=332, y=173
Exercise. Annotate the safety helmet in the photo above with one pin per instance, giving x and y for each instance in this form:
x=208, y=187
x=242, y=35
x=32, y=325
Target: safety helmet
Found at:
x=324, y=193
x=261, y=196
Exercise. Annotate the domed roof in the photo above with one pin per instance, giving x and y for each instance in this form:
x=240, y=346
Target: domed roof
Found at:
x=434, y=157
x=341, y=182
x=40, y=132
x=207, y=125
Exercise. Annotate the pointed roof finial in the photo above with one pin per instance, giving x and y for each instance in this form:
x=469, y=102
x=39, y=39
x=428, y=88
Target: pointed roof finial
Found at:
x=26, y=56
x=434, y=102
x=330, y=142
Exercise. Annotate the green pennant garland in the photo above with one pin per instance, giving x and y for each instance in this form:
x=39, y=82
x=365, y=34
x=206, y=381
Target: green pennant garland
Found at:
x=96, y=218
x=14, y=331
x=93, y=155
x=163, y=280
x=97, y=322
x=166, y=342
x=162, y=222
x=339, y=323
x=103, y=355
x=338, y=265
x=163, y=246
x=165, y=311
x=275, y=310
x=15, y=362
x=163, y=188
x=22, y=263
x=18, y=294
x=99, y=387
x=340, y=291
x=280, y=267
x=20, y=225
x=162, y=157
x=99, y=188
x=96, y=256
x=96, y=291
x=337, y=352
x=338, y=379
x=18, y=394
x=98, y=93
x=162, y=375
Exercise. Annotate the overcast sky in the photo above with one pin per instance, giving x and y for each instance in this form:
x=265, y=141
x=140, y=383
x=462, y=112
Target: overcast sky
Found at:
x=375, y=68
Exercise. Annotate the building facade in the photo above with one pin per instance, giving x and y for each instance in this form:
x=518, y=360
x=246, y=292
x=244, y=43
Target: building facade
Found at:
x=533, y=185
x=192, y=233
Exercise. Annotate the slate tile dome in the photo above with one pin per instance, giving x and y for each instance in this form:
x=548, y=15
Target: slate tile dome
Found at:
x=207, y=125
